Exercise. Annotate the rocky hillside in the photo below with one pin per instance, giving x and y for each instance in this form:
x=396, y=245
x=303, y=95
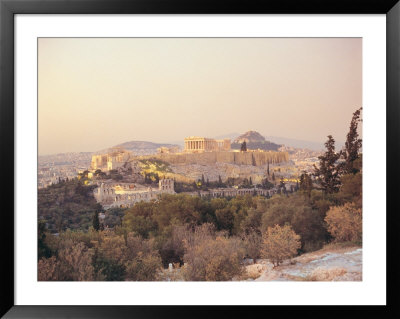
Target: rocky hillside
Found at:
x=254, y=140
x=327, y=264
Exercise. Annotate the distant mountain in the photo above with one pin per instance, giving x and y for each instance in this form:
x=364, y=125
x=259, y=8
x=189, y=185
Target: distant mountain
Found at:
x=250, y=137
x=254, y=140
x=297, y=143
x=137, y=146
x=142, y=145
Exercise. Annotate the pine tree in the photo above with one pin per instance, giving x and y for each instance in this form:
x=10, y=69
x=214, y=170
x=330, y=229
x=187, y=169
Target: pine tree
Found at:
x=96, y=222
x=328, y=171
x=353, y=145
x=305, y=184
x=243, y=147
x=250, y=181
x=202, y=179
x=253, y=160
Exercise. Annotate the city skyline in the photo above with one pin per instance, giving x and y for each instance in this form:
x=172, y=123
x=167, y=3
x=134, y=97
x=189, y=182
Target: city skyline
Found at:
x=96, y=93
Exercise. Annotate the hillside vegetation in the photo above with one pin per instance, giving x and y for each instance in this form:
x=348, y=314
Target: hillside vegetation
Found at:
x=69, y=204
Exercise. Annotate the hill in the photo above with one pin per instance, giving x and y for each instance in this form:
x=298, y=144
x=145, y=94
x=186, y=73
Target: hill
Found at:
x=254, y=140
x=138, y=147
x=132, y=145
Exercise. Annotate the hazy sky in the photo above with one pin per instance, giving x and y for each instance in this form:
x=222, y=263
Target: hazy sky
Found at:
x=96, y=93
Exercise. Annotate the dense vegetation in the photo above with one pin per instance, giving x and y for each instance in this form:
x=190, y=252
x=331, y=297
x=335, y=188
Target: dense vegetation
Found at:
x=208, y=237
x=67, y=205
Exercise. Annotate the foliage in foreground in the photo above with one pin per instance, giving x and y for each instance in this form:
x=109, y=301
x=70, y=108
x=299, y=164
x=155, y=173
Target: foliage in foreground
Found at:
x=345, y=222
x=280, y=243
x=212, y=257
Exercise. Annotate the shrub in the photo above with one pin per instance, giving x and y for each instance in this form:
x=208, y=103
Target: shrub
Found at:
x=74, y=262
x=253, y=243
x=212, y=258
x=143, y=267
x=280, y=243
x=345, y=222
x=48, y=269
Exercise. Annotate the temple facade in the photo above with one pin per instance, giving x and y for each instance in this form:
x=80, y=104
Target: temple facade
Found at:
x=194, y=144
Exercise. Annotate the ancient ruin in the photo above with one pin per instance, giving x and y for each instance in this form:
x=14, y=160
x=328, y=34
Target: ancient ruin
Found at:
x=195, y=144
x=113, y=194
x=114, y=159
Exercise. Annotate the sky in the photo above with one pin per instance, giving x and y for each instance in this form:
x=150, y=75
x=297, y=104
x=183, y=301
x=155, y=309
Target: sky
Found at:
x=97, y=93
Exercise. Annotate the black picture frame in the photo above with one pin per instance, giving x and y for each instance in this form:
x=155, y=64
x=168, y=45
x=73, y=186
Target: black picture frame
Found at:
x=8, y=8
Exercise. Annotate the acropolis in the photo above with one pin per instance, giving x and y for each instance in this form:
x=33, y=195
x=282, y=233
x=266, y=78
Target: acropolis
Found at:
x=195, y=144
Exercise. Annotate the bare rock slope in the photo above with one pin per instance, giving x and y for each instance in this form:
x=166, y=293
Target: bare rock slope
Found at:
x=340, y=264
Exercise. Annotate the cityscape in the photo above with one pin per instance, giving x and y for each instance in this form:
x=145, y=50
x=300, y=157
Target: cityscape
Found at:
x=200, y=159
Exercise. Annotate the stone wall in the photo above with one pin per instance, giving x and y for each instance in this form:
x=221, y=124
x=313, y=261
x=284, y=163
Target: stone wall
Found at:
x=257, y=158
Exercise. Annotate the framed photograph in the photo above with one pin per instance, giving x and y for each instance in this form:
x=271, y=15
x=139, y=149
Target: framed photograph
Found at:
x=160, y=154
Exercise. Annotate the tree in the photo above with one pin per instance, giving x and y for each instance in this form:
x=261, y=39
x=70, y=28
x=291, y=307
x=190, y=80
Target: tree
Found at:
x=268, y=168
x=328, y=171
x=280, y=243
x=74, y=262
x=212, y=258
x=219, y=181
x=306, y=184
x=351, y=189
x=345, y=222
x=353, y=145
x=225, y=219
x=243, y=147
x=144, y=267
x=139, y=224
x=253, y=244
x=96, y=222
x=43, y=249
x=266, y=184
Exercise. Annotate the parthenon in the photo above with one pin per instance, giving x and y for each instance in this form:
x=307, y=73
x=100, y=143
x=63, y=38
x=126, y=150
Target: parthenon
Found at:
x=194, y=144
